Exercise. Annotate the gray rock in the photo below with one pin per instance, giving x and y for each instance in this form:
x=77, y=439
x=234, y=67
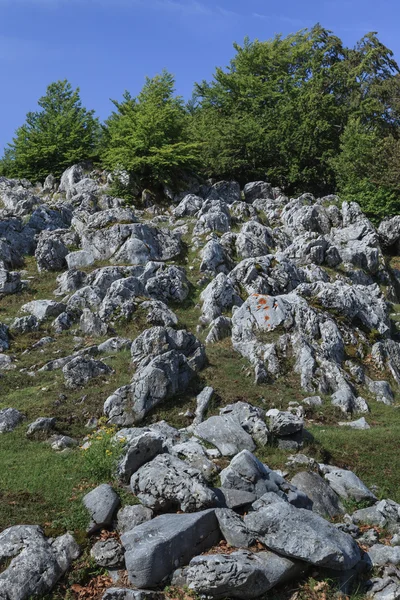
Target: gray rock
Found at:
x=384, y=514
x=138, y=452
x=301, y=534
x=42, y=425
x=10, y=282
x=10, y=418
x=131, y=516
x=202, y=401
x=254, y=240
x=250, y=417
x=325, y=502
x=79, y=259
x=219, y=296
x=359, y=424
x=155, y=549
x=158, y=313
x=385, y=588
x=69, y=179
x=22, y=325
x=257, y=190
x=383, y=555
x=50, y=253
x=234, y=499
x=193, y=453
x=219, y=329
x=36, y=563
x=108, y=553
x=101, y=503
x=233, y=528
x=43, y=309
x=91, y=324
x=348, y=486
x=168, y=483
x=4, y=341
x=188, y=206
x=81, y=369
x=226, y=434
x=313, y=401
x=214, y=258
x=128, y=594
x=60, y=443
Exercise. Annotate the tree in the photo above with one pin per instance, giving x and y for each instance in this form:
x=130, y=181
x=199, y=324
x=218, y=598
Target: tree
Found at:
x=147, y=136
x=60, y=134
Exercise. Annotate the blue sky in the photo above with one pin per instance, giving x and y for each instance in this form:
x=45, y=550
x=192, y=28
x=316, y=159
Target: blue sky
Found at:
x=107, y=46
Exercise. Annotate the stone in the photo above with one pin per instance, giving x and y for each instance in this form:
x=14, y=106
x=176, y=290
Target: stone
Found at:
x=226, y=434
x=234, y=499
x=233, y=528
x=10, y=282
x=22, y=325
x=313, y=401
x=128, y=594
x=219, y=296
x=193, y=453
x=155, y=549
x=43, y=309
x=188, y=206
x=285, y=423
x=303, y=535
x=168, y=483
x=4, y=340
x=108, y=553
x=79, y=259
x=384, y=514
x=101, y=503
x=202, y=402
x=35, y=563
x=60, y=443
x=50, y=253
x=10, y=418
x=219, y=329
x=139, y=451
x=257, y=190
x=158, y=313
x=250, y=417
x=81, y=369
x=359, y=424
x=383, y=555
x=42, y=425
x=348, y=486
x=91, y=324
x=131, y=516
x=325, y=502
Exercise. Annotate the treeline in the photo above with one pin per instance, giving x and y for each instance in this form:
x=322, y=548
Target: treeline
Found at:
x=303, y=111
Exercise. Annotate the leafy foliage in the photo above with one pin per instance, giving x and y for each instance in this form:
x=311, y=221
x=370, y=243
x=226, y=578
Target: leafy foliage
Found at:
x=147, y=136
x=62, y=133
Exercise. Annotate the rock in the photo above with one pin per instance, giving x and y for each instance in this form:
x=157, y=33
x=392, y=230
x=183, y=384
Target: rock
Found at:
x=193, y=453
x=62, y=442
x=389, y=233
x=202, y=401
x=131, y=516
x=227, y=191
x=43, y=425
x=168, y=483
x=10, y=282
x=22, y=325
x=220, y=295
x=108, y=553
x=69, y=179
x=188, y=206
x=43, y=309
x=313, y=401
x=81, y=369
x=325, y=502
x=79, y=259
x=385, y=588
x=6, y=362
x=285, y=423
x=251, y=418
x=359, y=424
x=10, y=418
x=220, y=328
x=139, y=451
x=301, y=534
x=257, y=190
x=50, y=253
x=158, y=313
x=234, y=499
x=254, y=240
x=348, y=486
x=383, y=555
x=91, y=324
x=101, y=503
x=384, y=514
x=233, y=528
x=35, y=564
x=155, y=549
x=226, y=434
x=214, y=258
x=4, y=342
x=242, y=574
x=128, y=594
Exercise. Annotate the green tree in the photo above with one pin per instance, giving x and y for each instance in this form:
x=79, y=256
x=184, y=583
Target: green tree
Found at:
x=147, y=136
x=60, y=134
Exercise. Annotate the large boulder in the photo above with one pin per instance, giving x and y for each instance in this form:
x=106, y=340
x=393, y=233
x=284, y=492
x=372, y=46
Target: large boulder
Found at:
x=301, y=534
x=10, y=418
x=325, y=501
x=155, y=549
x=101, y=504
x=226, y=434
x=348, y=486
x=81, y=369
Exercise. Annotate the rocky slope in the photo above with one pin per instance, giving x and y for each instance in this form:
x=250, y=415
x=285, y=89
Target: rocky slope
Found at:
x=215, y=334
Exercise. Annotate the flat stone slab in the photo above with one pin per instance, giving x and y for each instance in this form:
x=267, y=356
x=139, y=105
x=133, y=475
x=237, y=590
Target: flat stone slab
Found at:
x=226, y=434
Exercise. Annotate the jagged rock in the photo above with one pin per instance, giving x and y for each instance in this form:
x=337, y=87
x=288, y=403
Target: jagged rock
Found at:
x=115, y=344
x=131, y=516
x=233, y=528
x=219, y=296
x=385, y=514
x=254, y=240
x=42, y=425
x=22, y=325
x=169, y=283
x=50, y=253
x=385, y=588
x=158, y=313
x=69, y=179
x=101, y=503
x=251, y=418
x=138, y=451
x=36, y=563
x=155, y=549
x=4, y=341
x=234, y=499
x=313, y=401
x=389, y=233
x=202, y=401
x=348, y=486
x=81, y=369
x=285, y=423
x=227, y=191
x=220, y=328
x=188, y=206
x=214, y=258
x=79, y=259
x=10, y=282
x=193, y=453
x=10, y=418
x=6, y=362
x=257, y=190
x=167, y=482
x=226, y=434
x=43, y=309
x=128, y=594
x=213, y=216
x=120, y=299
x=240, y=575
x=301, y=534
x=60, y=443
x=91, y=324
x=70, y=281
x=108, y=553
x=325, y=502
x=382, y=390
x=383, y=555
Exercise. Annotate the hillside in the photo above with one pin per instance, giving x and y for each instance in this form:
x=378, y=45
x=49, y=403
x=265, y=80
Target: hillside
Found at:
x=199, y=396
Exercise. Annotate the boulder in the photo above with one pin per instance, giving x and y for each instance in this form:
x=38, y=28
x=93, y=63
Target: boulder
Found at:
x=303, y=535
x=91, y=324
x=155, y=549
x=108, y=553
x=168, y=483
x=101, y=503
x=226, y=434
x=131, y=516
x=43, y=309
x=79, y=259
x=50, y=253
x=233, y=529
x=42, y=426
x=325, y=502
x=257, y=190
x=22, y=325
x=81, y=369
x=219, y=296
x=381, y=555
x=348, y=486
x=202, y=401
x=138, y=451
x=10, y=282
x=10, y=418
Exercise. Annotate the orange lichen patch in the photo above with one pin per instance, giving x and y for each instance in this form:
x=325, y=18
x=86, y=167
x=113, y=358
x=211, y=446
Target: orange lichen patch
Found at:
x=266, y=318
x=262, y=301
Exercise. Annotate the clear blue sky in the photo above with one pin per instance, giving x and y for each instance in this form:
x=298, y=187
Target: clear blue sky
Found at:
x=107, y=46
